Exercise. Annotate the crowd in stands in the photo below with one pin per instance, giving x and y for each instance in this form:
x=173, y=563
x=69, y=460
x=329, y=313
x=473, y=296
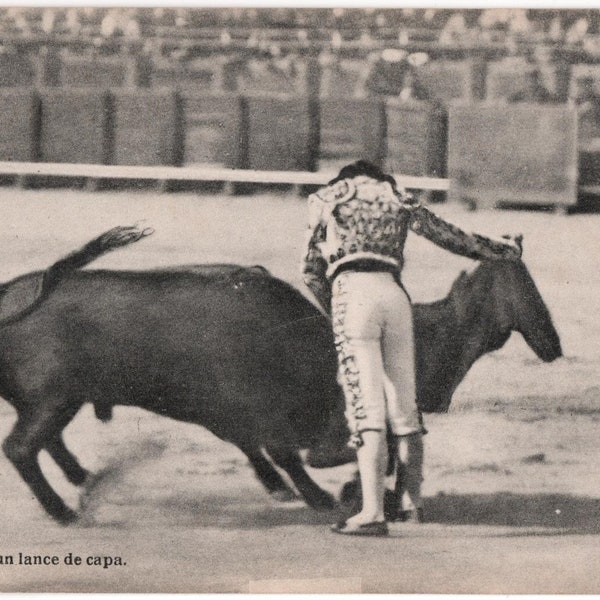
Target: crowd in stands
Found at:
x=444, y=26
x=389, y=64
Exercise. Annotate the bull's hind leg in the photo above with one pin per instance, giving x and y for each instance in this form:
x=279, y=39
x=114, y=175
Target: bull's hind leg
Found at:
x=290, y=462
x=73, y=471
x=268, y=476
x=22, y=447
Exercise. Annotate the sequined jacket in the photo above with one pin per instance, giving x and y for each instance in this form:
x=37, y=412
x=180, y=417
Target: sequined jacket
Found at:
x=362, y=218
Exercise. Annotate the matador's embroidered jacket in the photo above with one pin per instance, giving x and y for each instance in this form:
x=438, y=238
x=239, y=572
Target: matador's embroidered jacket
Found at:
x=362, y=218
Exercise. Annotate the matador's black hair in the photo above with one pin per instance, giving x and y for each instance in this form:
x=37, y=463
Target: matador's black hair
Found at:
x=363, y=167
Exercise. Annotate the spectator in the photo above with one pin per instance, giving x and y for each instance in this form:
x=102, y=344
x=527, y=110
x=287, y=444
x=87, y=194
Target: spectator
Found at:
x=585, y=92
x=591, y=45
x=181, y=17
x=555, y=30
x=519, y=23
x=553, y=69
x=303, y=38
x=403, y=36
x=380, y=20
x=48, y=20
x=268, y=71
x=494, y=18
x=130, y=25
x=336, y=40
x=454, y=31
x=225, y=37
x=534, y=90
x=72, y=21
x=163, y=17
x=17, y=18
x=90, y=19
x=393, y=73
x=587, y=101
x=577, y=33
x=110, y=25
x=408, y=91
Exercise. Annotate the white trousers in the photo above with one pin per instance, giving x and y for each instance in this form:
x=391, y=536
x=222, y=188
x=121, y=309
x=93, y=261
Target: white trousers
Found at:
x=373, y=328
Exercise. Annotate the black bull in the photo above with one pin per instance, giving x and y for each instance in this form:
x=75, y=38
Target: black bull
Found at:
x=230, y=348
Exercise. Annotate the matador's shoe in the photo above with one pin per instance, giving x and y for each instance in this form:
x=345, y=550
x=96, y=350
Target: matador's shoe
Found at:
x=375, y=528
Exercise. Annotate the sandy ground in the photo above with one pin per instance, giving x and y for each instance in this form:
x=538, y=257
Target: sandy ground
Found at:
x=512, y=493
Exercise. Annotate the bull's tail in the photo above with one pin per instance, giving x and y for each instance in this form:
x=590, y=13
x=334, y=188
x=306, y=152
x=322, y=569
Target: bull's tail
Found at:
x=22, y=296
x=108, y=241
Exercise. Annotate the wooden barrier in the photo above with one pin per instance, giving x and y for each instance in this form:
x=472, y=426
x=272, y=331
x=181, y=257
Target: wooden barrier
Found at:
x=75, y=126
x=589, y=168
x=281, y=133
x=48, y=65
x=525, y=154
x=416, y=138
x=19, y=123
x=214, y=132
x=350, y=129
x=147, y=128
x=498, y=153
x=588, y=132
x=17, y=70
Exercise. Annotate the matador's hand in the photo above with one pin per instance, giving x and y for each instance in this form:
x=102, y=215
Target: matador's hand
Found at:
x=516, y=241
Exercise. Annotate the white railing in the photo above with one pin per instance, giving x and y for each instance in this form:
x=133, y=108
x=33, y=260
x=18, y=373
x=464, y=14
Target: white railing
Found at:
x=162, y=173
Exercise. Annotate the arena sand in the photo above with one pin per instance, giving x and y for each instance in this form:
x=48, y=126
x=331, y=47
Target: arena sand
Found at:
x=512, y=471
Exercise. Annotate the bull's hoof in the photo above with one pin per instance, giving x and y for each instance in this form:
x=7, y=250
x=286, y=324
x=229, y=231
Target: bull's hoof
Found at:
x=323, y=501
x=78, y=476
x=392, y=509
x=283, y=495
x=351, y=492
x=66, y=517
x=391, y=506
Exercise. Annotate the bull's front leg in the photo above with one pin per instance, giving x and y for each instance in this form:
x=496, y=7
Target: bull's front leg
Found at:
x=73, y=471
x=22, y=447
x=267, y=475
x=291, y=463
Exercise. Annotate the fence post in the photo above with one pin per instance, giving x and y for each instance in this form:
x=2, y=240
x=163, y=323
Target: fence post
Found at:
x=49, y=66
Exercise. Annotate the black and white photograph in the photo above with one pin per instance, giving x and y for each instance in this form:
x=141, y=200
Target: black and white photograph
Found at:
x=299, y=299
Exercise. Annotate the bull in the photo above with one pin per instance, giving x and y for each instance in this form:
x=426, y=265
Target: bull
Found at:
x=230, y=348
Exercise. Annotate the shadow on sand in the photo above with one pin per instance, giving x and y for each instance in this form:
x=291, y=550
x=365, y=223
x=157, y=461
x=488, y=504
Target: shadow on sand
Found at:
x=110, y=500
x=535, y=514
x=569, y=514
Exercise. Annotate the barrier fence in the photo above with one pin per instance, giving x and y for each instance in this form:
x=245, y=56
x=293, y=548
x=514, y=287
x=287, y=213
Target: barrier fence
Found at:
x=481, y=153
x=168, y=128
x=513, y=154
x=162, y=173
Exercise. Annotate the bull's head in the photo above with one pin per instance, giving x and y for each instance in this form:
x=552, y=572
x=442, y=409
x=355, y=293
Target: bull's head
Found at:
x=502, y=297
x=520, y=307
x=477, y=317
